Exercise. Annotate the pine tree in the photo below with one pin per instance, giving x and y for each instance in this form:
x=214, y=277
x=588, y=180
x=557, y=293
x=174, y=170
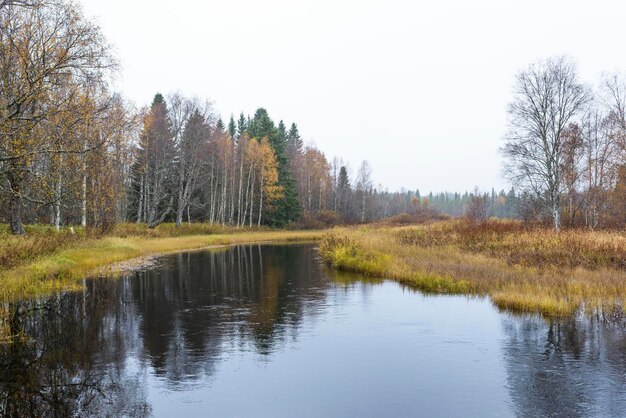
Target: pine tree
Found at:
x=232, y=128
x=261, y=125
x=343, y=192
x=294, y=142
x=221, y=128
x=242, y=125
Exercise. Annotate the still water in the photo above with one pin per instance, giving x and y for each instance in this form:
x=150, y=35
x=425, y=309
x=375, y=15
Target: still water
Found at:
x=267, y=331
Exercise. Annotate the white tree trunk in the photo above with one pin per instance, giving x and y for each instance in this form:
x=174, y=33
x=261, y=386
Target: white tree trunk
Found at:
x=141, y=199
x=239, y=208
x=252, y=198
x=83, y=209
x=260, y=201
x=57, y=203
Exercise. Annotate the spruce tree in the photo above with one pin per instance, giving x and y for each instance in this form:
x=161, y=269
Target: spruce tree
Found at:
x=221, y=128
x=343, y=192
x=261, y=125
x=232, y=128
x=242, y=125
x=286, y=209
x=294, y=142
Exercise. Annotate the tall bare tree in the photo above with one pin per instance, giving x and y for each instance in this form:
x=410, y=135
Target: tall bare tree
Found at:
x=547, y=97
x=363, y=189
x=44, y=49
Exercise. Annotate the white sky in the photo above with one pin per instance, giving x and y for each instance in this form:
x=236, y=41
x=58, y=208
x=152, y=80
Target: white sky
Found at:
x=417, y=88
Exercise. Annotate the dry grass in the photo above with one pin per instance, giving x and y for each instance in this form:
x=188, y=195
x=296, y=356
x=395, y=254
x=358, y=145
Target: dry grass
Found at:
x=518, y=244
x=17, y=250
x=62, y=258
x=531, y=270
x=42, y=240
x=168, y=230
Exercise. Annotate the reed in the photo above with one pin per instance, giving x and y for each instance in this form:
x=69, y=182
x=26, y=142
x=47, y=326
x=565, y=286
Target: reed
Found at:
x=519, y=268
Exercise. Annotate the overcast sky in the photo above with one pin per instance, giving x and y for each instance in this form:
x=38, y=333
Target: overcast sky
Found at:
x=419, y=89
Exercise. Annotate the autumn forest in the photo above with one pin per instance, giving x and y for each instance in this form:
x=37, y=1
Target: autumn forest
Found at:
x=74, y=152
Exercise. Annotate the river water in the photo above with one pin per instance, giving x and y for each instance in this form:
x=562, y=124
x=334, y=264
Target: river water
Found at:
x=267, y=331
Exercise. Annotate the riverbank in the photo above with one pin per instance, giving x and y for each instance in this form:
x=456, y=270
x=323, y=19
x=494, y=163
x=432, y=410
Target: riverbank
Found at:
x=519, y=268
x=57, y=261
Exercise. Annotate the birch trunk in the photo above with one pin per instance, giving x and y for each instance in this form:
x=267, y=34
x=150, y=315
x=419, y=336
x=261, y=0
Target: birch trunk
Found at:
x=83, y=209
x=252, y=198
x=141, y=199
x=260, y=201
x=57, y=203
x=245, y=212
x=239, y=221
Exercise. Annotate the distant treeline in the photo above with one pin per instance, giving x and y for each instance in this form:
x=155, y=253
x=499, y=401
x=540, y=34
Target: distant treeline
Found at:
x=500, y=205
x=72, y=152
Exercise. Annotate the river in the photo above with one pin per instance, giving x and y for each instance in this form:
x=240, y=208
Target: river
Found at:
x=268, y=331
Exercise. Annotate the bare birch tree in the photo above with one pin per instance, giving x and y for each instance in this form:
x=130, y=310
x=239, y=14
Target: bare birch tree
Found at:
x=547, y=97
x=44, y=49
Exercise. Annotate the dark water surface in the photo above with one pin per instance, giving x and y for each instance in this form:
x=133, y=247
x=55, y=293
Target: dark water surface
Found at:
x=266, y=331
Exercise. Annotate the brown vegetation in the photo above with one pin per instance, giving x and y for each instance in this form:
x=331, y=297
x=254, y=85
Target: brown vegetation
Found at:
x=45, y=261
x=521, y=268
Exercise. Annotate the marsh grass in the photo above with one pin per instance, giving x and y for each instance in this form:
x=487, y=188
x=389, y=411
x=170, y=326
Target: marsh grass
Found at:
x=518, y=244
x=521, y=269
x=16, y=250
x=42, y=240
x=44, y=262
x=168, y=230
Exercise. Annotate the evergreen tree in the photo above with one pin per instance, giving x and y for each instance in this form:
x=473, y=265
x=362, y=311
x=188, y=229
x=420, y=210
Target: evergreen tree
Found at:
x=242, y=125
x=343, y=192
x=232, y=128
x=511, y=204
x=282, y=132
x=286, y=209
x=294, y=142
x=261, y=125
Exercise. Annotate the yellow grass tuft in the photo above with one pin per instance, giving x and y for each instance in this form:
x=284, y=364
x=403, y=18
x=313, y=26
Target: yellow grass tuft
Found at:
x=521, y=269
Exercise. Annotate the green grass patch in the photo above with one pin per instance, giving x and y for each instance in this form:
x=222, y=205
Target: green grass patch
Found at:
x=431, y=283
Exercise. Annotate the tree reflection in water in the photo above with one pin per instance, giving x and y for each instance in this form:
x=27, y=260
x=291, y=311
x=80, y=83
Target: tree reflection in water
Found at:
x=570, y=368
x=69, y=359
x=107, y=350
x=203, y=306
x=88, y=353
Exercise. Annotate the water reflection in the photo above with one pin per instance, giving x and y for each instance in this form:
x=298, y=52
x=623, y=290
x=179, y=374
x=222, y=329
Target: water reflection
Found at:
x=202, y=323
x=568, y=368
x=200, y=305
x=69, y=356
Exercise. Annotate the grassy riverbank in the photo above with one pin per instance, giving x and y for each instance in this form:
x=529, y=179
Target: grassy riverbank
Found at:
x=46, y=261
x=521, y=269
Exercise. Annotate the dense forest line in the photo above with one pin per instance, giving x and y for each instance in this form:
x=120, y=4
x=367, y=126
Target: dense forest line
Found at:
x=74, y=152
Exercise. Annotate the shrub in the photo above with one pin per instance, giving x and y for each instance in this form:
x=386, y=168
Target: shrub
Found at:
x=319, y=220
